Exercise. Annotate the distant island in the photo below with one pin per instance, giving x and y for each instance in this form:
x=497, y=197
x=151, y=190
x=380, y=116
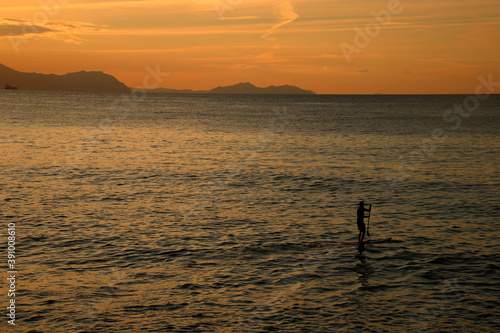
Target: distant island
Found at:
x=101, y=82
x=240, y=88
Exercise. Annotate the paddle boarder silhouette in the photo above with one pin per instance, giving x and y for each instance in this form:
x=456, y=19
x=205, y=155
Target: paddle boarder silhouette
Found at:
x=360, y=221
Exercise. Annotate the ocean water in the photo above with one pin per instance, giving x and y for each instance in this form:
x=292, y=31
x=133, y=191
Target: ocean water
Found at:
x=220, y=213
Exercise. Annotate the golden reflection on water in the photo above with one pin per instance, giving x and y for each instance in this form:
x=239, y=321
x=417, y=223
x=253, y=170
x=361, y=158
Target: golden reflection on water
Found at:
x=151, y=226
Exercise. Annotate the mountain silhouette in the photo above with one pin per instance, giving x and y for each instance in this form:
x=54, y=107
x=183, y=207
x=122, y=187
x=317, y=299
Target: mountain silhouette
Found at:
x=78, y=81
x=239, y=88
x=102, y=82
x=248, y=88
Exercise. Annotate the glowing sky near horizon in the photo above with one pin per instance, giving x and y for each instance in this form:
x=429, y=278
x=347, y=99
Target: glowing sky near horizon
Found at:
x=425, y=47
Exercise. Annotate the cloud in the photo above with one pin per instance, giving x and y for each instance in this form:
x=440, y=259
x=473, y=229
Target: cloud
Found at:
x=364, y=71
x=241, y=18
x=12, y=27
x=286, y=14
x=64, y=31
x=235, y=66
x=16, y=30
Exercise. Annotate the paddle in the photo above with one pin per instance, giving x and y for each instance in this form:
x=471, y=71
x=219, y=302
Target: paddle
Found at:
x=368, y=229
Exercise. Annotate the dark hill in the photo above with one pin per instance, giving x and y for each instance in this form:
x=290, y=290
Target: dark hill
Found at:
x=78, y=81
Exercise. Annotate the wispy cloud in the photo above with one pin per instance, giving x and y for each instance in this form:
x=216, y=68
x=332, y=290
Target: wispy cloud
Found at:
x=286, y=14
x=235, y=66
x=13, y=27
x=64, y=31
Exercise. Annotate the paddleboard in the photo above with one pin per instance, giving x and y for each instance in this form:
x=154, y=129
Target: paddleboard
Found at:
x=369, y=241
x=376, y=241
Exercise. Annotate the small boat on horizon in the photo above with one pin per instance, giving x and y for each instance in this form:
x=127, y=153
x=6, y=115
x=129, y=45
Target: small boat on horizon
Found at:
x=10, y=87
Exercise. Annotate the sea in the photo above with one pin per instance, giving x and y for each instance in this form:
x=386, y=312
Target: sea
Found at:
x=237, y=213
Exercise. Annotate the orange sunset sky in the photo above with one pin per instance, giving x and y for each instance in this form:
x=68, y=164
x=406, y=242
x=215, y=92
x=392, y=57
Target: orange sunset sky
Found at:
x=421, y=47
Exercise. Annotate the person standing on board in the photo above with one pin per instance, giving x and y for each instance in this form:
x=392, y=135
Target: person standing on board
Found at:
x=361, y=223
